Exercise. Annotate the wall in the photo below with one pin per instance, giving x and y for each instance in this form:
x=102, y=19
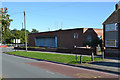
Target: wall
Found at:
x=31, y=37
x=119, y=35
x=66, y=38
x=111, y=35
x=113, y=18
x=91, y=32
x=119, y=27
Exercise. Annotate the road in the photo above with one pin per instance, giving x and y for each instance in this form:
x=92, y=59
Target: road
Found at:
x=15, y=67
x=18, y=67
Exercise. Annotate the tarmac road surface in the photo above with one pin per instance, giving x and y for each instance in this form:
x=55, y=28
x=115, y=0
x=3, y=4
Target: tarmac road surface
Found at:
x=15, y=67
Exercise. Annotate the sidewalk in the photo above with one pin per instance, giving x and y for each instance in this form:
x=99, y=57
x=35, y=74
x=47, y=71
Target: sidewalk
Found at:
x=107, y=65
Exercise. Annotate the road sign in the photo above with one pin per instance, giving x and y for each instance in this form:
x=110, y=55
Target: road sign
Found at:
x=16, y=41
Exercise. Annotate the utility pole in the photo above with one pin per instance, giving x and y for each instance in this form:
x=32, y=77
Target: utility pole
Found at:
x=25, y=32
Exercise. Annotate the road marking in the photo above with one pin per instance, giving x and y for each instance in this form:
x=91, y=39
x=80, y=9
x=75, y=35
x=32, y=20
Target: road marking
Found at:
x=50, y=72
x=95, y=77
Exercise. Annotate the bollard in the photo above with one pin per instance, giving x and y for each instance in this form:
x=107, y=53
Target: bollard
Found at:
x=80, y=59
x=103, y=55
x=92, y=56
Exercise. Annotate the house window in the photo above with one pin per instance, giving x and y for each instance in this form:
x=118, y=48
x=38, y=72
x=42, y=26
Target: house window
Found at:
x=100, y=37
x=116, y=28
x=89, y=38
x=111, y=27
x=111, y=43
x=75, y=35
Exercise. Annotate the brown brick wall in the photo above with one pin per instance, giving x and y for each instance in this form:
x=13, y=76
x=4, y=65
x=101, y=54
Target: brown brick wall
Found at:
x=119, y=28
x=119, y=15
x=119, y=35
x=113, y=18
x=65, y=38
x=90, y=32
x=104, y=35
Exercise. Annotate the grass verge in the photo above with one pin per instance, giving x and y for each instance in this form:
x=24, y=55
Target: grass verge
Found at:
x=69, y=59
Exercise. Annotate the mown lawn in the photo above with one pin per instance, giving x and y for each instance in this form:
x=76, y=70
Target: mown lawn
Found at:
x=69, y=59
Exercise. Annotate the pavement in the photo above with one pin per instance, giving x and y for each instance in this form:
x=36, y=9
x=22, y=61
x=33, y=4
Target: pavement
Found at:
x=107, y=65
x=108, y=68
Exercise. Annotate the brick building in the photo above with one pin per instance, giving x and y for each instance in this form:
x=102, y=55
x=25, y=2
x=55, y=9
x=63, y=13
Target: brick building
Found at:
x=112, y=31
x=64, y=38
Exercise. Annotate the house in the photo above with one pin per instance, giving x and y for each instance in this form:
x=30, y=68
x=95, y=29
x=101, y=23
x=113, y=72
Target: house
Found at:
x=66, y=39
x=112, y=32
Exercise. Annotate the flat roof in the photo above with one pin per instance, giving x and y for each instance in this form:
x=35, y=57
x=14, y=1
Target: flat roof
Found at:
x=66, y=30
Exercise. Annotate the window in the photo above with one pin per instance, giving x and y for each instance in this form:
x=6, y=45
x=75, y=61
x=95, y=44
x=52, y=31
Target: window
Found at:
x=111, y=43
x=111, y=27
x=99, y=36
x=89, y=38
x=75, y=35
x=116, y=28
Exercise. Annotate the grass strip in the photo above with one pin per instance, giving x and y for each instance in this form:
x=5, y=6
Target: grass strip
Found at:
x=69, y=59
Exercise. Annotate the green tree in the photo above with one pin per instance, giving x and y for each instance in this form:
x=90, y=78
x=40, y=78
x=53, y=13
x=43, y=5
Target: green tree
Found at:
x=7, y=37
x=5, y=20
x=20, y=34
x=34, y=31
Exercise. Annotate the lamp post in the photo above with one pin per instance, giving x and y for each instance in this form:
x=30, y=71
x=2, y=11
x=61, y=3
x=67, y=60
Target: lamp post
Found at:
x=25, y=32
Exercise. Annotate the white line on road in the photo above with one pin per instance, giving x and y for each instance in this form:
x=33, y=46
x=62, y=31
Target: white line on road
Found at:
x=50, y=72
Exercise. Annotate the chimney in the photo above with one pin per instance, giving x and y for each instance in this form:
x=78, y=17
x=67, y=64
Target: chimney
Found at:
x=117, y=6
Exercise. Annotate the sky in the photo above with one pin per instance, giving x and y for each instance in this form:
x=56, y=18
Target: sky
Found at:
x=49, y=16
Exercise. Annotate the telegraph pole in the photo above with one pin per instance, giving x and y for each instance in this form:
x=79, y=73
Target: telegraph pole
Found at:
x=25, y=32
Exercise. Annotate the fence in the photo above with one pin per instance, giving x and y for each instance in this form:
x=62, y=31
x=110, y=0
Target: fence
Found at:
x=84, y=51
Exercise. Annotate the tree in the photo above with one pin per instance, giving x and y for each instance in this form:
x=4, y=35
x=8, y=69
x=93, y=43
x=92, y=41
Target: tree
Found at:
x=7, y=37
x=20, y=34
x=5, y=19
x=34, y=31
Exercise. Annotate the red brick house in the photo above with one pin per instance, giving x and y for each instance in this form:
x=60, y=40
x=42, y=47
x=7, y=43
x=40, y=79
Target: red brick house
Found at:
x=64, y=38
x=112, y=31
